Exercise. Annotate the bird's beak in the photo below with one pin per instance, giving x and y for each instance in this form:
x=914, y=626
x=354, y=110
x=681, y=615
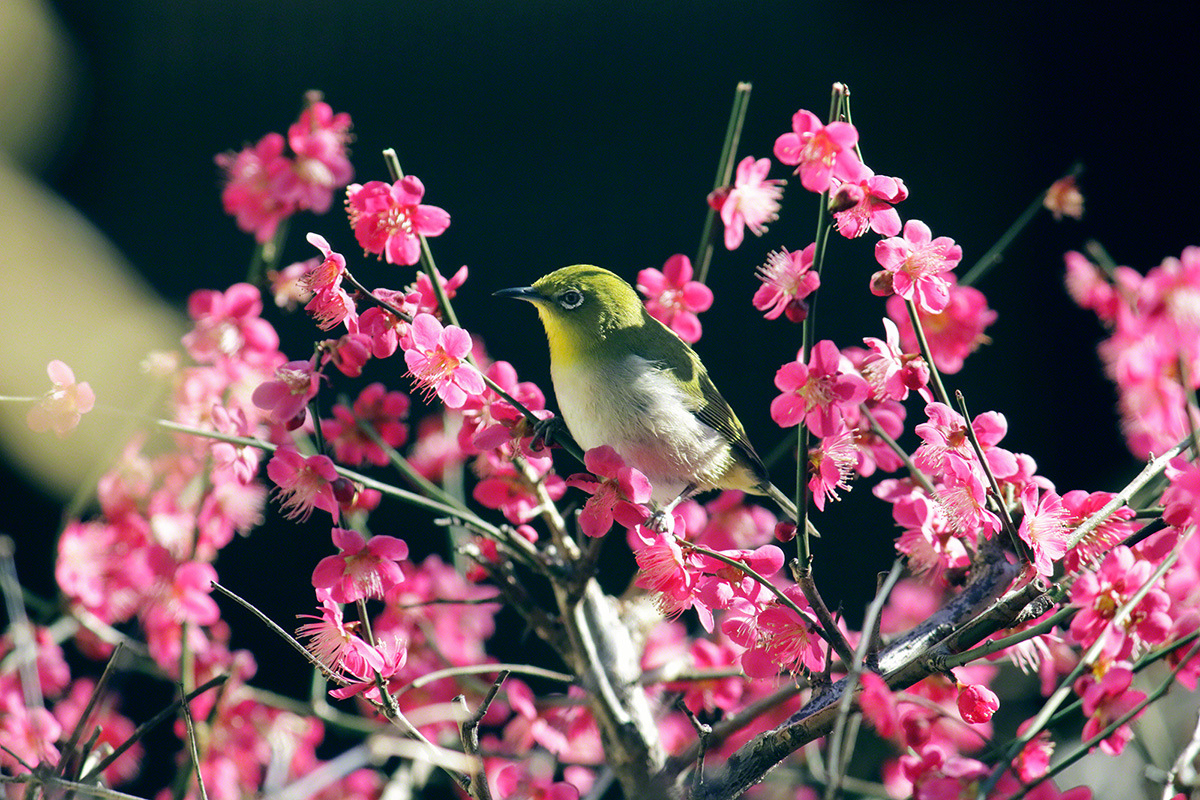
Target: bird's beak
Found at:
x=520, y=293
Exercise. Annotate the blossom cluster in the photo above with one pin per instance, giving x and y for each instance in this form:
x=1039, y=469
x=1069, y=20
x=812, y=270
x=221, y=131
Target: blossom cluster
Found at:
x=399, y=637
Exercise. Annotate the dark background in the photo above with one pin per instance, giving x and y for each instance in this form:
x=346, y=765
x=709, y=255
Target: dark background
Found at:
x=564, y=132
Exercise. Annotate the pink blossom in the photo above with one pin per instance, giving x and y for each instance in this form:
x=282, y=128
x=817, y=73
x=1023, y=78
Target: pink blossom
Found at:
x=731, y=522
x=976, y=702
x=287, y=284
x=1089, y=287
x=330, y=303
x=334, y=642
x=229, y=328
x=426, y=298
x=1063, y=198
x=1181, y=500
x=820, y=152
x=1098, y=595
x=874, y=452
x=715, y=693
x=1106, y=700
x=929, y=539
x=62, y=407
x=936, y=773
x=878, y=704
x=664, y=572
x=286, y=397
x=186, y=590
x=304, y=483
x=350, y=353
x=817, y=392
x=954, y=333
x=1079, y=506
x=488, y=419
x=787, y=279
x=110, y=728
x=619, y=494
x=785, y=640
x=917, y=262
x=502, y=486
x=321, y=164
x=393, y=654
x=751, y=202
x=375, y=409
x=872, y=208
x=963, y=497
x=28, y=734
x=673, y=298
x=248, y=193
x=437, y=359
x=892, y=373
x=831, y=464
x=363, y=569
x=389, y=220
x=1043, y=528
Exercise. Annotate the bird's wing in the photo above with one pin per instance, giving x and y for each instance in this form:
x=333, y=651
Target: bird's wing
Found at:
x=715, y=412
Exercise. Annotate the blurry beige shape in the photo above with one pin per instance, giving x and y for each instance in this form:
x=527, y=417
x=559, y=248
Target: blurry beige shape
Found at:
x=70, y=297
x=36, y=86
x=69, y=294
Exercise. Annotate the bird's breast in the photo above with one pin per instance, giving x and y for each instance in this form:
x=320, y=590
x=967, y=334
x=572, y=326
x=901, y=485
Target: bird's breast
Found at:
x=631, y=405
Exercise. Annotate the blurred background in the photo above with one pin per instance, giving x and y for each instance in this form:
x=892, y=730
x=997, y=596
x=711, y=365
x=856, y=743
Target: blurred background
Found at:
x=563, y=131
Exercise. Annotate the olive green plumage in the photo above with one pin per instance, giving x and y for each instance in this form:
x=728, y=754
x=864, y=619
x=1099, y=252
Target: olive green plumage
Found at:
x=624, y=379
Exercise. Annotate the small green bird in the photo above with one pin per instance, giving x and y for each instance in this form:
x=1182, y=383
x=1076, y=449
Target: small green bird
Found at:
x=624, y=379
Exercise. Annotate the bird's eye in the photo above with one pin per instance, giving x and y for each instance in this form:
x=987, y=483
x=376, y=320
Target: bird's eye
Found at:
x=571, y=298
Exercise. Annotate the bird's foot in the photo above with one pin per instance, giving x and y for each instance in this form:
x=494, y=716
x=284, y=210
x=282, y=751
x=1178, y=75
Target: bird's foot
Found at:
x=546, y=432
x=661, y=521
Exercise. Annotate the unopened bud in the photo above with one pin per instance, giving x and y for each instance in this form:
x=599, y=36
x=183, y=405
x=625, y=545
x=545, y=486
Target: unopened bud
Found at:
x=344, y=491
x=881, y=284
x=845, y=197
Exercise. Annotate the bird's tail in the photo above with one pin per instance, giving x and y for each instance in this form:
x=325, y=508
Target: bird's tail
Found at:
x=787, y=506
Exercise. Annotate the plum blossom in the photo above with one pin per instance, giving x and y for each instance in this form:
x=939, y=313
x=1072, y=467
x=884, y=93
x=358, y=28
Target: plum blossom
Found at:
x=1043, y=528
x=892, y=373
x=619, y=494
x=304, y=483
x=1098, y=595
x=388, y=220
x=63, y=406
x=817, y=392
x=952, y=334
x=248, y=194
x=438, y=360
x=320, y=165
x=787, y=278
x=751, y=202
x=1106, y=700
x=831, y=464
x=375, y=409
x=1181, y=500
x=976, y=702
x=871, y=209
x=1063, y=198
x=329, y=304
x=916, y=262
x=286, y=396
x=363, y=568
x=819, y=152
x=673, y=298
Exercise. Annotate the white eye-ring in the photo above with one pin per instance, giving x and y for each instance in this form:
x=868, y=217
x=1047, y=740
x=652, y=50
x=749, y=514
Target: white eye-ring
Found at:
x=571, y=298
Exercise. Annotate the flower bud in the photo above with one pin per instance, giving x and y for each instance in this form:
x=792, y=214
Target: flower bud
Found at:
x=845, y=197
x=881, y=283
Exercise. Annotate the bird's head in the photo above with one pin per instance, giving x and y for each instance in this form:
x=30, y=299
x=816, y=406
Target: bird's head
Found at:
x=581, y=307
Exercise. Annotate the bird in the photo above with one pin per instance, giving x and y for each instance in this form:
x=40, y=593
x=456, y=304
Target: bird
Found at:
x=624, y=379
